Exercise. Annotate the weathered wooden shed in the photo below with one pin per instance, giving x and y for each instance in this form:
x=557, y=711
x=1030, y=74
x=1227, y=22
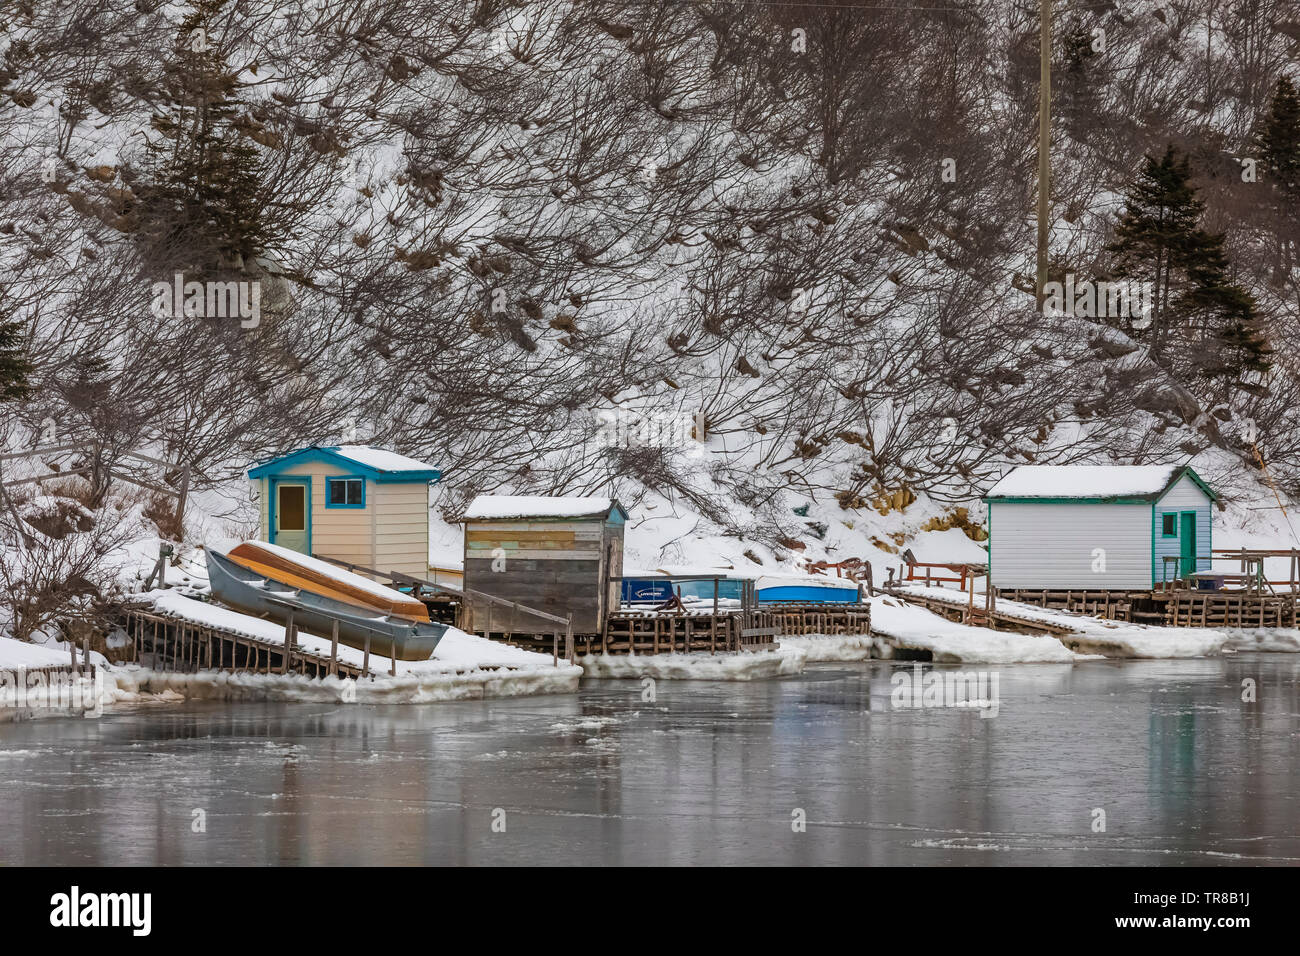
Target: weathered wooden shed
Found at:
x=354, y=503
x=553, y=554
x=1097, y=527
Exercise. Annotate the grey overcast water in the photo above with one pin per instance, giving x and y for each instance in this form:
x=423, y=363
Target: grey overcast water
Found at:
x=708, y=773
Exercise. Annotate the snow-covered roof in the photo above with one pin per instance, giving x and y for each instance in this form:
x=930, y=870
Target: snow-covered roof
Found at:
x=491, y=507
x=380, y=459
x=1092, y=482
x=378, y=464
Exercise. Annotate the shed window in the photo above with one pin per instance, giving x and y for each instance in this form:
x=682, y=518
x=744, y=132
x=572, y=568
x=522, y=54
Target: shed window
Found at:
x=1169, y=526
x=345, y=493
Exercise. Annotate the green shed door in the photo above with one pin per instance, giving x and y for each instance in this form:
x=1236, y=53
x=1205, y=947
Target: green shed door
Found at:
x=1187, y=544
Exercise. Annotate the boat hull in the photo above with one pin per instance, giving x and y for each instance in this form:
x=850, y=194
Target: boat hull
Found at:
x=243, y=590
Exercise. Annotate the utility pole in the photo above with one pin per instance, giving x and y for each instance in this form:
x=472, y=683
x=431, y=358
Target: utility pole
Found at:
x=1044, y=140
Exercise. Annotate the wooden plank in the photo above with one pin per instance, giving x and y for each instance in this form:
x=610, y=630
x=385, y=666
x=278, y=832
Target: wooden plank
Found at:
x=567, y=538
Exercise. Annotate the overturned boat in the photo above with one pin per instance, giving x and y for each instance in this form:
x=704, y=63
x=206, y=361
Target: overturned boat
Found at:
x=272, y=582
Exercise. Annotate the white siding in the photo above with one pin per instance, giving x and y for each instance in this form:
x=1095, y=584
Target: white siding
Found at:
x=1043, y=545
x=1186, y=495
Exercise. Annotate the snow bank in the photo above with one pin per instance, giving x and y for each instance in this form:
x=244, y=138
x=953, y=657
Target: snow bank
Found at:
x=1278, y=639
x=909, y=626
x=1113, y=639
x=15, y=654
x=756, y=665
x=411, y=687
x=820, y=648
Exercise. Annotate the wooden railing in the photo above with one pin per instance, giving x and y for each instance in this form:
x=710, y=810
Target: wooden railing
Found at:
x=1251, y=574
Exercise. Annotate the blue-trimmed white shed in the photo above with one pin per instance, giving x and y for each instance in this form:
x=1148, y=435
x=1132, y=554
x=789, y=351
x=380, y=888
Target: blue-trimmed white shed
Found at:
x=356, y=503
x=1097, y=527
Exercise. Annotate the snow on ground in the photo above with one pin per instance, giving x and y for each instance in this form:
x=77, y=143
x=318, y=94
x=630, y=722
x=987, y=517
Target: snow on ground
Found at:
x=747, y=665
x=910, y=626
x=1091, y=635
x=15, y=654
x=408, y=687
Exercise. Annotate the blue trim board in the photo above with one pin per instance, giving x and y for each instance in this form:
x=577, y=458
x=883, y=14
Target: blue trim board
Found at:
x=328, y=455
x=333, y=478
x=1155, y=528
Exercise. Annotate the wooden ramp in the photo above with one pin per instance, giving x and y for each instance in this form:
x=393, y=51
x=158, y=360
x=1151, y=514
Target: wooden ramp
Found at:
x=958, y=609
x=175, y=644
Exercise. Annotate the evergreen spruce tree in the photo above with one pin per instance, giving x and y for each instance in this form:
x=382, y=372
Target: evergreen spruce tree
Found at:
x=1278, y=142
x=1160, y=214
x=1203, y=325
x=204, y=201
x=15, y=369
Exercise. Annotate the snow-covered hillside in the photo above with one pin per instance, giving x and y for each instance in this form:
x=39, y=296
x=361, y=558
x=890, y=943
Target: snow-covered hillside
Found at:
x=760, y=271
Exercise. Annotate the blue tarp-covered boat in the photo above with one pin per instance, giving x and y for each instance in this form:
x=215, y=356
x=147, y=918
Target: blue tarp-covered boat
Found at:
x=696, y=584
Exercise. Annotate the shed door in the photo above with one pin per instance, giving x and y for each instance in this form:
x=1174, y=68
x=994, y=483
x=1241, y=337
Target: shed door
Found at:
x=291, y=504
x=1187, y=541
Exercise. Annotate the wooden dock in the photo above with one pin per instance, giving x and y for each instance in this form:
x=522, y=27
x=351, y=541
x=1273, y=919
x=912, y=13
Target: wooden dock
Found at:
x=1188, y=608
x=177, y=645
x=685, y=631
x=1174, y=607
x=960, y=610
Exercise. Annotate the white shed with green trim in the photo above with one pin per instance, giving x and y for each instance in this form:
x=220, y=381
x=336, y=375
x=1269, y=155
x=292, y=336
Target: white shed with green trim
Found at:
x=1097, y=527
